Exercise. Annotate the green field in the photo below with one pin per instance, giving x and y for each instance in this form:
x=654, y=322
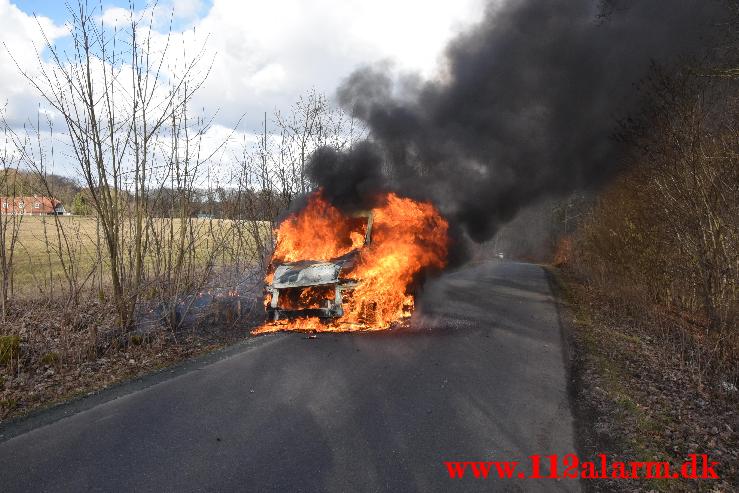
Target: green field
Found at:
x=45, y=247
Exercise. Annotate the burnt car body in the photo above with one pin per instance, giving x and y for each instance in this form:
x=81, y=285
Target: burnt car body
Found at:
x=314, y=288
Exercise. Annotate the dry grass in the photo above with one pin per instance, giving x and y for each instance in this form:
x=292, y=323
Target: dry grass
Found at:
x=36, y=255
x=47, y=245
x=52, y=356
x=636, y=397
x=53, y=349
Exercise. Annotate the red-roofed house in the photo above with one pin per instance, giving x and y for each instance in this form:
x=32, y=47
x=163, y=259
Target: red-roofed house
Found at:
x=35, y=205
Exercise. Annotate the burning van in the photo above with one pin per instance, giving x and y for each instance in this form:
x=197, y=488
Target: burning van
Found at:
x=336, y=271
x=317, y=288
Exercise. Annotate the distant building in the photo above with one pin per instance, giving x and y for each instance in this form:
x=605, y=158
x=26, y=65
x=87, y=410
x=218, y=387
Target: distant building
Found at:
x=36, y=205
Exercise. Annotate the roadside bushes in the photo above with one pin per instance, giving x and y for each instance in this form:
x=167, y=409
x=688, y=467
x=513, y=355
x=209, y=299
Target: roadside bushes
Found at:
x=9, y=346
x=666, y=232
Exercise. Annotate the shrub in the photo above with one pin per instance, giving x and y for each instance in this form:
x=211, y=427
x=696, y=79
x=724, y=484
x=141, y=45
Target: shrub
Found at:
x=9, y=348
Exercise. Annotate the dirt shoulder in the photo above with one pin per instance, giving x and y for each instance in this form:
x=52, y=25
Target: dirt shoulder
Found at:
x=636, y=399
x=49, y=355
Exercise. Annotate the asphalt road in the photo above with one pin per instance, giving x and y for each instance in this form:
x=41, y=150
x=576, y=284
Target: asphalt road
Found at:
x=480, y=376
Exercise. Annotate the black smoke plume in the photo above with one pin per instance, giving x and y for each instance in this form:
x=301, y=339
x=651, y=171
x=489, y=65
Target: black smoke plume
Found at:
x=525, y=106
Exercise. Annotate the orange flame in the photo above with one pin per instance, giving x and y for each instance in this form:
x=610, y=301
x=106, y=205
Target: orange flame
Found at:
x=318, y=232
x=408, y=237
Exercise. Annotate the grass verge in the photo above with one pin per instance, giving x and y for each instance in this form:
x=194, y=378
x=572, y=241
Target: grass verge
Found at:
x=636, y=399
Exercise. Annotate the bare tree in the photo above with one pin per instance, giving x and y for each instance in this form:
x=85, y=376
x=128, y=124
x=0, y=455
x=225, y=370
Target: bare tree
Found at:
x=117, y=101
x=312, y=122
x=10, y=224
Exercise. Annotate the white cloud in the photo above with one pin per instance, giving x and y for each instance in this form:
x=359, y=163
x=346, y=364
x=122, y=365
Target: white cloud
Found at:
x=268, y=79
x=186, y=9
x=265, y=54
x=116, y=17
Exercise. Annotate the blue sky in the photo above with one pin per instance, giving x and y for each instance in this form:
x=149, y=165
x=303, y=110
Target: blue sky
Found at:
x=58, y=10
